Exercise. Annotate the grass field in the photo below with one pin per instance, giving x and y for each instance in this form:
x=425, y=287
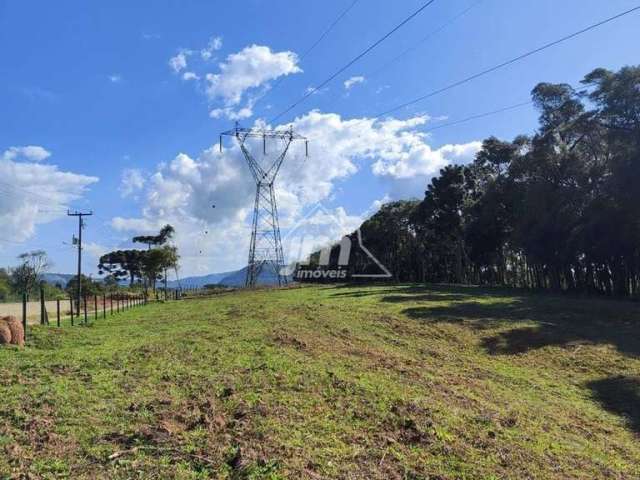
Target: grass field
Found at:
x=331, y=382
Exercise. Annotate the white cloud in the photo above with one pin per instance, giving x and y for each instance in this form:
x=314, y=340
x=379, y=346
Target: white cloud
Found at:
x=376, y=204
x=241, y=78
x=318, y=228
x=231, y=113
x=315, y=91
x=250, y=68
x=179, y=62
x=115, y=78
x=32, y=153
x=349, y=83
x=190, y=76
x=131, y=180
x=215, y=43
x=184, y=191
x=33, y=193
x=419, y=159
x=95, y=250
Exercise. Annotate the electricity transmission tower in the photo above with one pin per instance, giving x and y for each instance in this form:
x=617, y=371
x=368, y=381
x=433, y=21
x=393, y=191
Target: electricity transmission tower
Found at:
x=265, y=250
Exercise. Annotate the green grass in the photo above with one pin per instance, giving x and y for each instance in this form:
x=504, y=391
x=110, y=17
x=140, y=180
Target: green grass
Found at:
x=331, y=382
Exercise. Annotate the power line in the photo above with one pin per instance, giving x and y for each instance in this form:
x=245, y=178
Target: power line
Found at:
x=309, y=50
x=508, y=62
x=49, y=201
x=425, y=38
x=335, y=95
x=10, y=241
x=478, y=116
x=501, y=110
x=313, y=90
x=326, y=32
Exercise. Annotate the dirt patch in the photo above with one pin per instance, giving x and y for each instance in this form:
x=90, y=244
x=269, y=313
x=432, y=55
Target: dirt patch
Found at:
x=410, y=424
x=286, y=340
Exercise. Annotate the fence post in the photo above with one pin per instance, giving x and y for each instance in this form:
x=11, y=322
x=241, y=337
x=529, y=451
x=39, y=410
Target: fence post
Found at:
x=95, y=306
x=104, y=305
x=118, y=304
x=71, y=305
x=42, y=319
x=86, y=320
x=58, y=311
x=111, y=302
x=24, y=315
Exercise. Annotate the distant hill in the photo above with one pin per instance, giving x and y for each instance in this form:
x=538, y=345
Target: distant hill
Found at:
x=57, y=278
x=231, y=279
x=237, y=278
x=199, y=281
x=191, y=282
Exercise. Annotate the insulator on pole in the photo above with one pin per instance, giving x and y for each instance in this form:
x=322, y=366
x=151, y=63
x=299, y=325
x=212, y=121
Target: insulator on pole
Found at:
x=220, y=143
x=264, y=144
x=306, y=148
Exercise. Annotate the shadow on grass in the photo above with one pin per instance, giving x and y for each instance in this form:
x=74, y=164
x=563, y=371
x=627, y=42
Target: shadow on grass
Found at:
x=376, y=292
x=411, y=290
x=427, y=297
x=559, y=320
x=621, y=396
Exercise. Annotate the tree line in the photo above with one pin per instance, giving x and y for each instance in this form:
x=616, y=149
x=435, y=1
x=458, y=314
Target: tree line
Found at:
x=558, y=210
x=26, y=278
x=143, y=267
x=140, y=269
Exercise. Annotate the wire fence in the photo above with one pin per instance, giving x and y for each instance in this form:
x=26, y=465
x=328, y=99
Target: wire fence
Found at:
x=69, y=311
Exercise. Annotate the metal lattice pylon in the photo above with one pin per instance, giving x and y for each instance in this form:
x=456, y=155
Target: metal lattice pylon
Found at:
x=265, y=249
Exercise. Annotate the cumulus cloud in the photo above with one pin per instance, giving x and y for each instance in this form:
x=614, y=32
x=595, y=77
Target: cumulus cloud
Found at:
x=190, y=76
x=249, y=69
x=131, y=180
x=215, y=43
x=32, y=153
x=317, y=228
x=419, y=159
x=350, y=82
x=239, y=80
x=95, y=250
x=209, y=197
x=115, y=78
x=33, y=193
x=231, y=113
x=179, y=61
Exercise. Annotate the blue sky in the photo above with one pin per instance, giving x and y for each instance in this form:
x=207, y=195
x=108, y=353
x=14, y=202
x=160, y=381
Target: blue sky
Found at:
x=93, y=85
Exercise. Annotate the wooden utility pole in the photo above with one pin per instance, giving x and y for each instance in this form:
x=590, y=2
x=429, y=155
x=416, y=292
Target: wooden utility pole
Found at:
x=80, y=216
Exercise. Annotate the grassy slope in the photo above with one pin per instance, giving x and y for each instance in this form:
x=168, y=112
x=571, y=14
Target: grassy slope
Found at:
x=330, y=382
